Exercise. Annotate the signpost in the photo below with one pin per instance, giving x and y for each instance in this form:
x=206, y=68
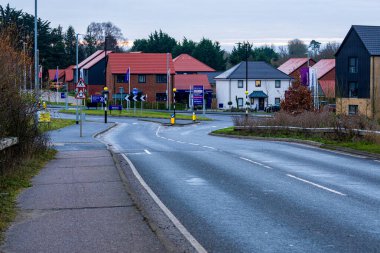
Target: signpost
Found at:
x=135, y=91
x=80, y=90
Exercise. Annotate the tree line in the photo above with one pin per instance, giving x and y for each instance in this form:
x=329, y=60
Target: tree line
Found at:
x=58, y=47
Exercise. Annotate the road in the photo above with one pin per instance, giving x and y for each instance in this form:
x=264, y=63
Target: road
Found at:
x=256, y=196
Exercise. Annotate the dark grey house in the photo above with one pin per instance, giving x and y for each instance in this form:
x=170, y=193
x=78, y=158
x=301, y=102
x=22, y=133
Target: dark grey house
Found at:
x=358, y=72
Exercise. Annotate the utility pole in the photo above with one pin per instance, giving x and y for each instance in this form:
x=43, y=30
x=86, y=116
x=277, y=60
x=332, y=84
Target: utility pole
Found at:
x=76, y=75
x=35, y=51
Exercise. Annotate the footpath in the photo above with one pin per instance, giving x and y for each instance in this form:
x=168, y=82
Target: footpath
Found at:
x=78, y=203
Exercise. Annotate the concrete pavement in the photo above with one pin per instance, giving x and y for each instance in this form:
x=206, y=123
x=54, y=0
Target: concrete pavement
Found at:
x=78, y=203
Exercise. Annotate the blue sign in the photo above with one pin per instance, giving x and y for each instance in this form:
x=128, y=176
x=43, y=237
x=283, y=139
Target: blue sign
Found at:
x=115, y=107
x=97, y=99
x=135, y=91
x=63, y=95
x=198, y=95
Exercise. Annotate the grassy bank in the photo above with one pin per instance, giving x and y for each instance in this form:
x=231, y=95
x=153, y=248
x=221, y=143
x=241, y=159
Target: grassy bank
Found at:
x=11, y=184
x=143, y=114
x=355, y=145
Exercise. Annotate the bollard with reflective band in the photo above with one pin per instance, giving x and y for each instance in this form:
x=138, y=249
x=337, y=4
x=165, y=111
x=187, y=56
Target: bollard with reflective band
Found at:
x=194, y=116
x=172, y=120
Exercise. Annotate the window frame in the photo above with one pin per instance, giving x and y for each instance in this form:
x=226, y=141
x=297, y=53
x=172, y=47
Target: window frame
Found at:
x=238, y=102
x=258, y=83
x=356, y=110
x=120, y=78
x=163, y=76
x=351, y=92
x=353, y=69
x=279, y=101
x=138, y=78
x=277, y=84
x=240, y=84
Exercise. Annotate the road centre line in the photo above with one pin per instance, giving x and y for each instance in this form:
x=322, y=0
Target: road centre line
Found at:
x=209, y=147
x=198, y=247
x=257, y=163
x=147, y=151
x=181, y=142
x=316, y=185
x=194, y=144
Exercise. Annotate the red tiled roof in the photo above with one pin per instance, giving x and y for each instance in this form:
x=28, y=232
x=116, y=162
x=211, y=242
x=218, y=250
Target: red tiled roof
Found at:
x=95, y=60
x=61, y=74
x=69, y=73
x=185, y=62
x=88, y=59
x=324, y=66
x=184, y=82
x=292, y=64
x=142, y=63
x=328, y=87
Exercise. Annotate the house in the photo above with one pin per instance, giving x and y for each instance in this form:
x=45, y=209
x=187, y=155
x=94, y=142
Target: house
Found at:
x=65, y=76
x=293, y=66
x=148, y=73
x=325, y=70
x=185, y=83
x=93, y=71
x=52, y=75
x=186, y=64
x=358, y=72
x=266, y=85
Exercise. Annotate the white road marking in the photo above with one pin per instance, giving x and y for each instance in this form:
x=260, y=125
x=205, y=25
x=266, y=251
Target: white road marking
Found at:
x=257, y=163
x=135, y=123
x=147, y=151
x=194, y=144
x=377, y=161
x=198, y=247
x=208, y=147
x=181, y=142
x=170, y=140
x=157, y=132
x=316, y=185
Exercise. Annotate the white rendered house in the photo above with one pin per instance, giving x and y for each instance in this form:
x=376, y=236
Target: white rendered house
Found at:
x=266, y=86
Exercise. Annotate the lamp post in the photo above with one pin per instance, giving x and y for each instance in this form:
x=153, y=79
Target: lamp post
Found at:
x=77, y=71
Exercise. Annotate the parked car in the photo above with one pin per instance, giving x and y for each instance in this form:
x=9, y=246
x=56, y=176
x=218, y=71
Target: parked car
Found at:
x=272, y=108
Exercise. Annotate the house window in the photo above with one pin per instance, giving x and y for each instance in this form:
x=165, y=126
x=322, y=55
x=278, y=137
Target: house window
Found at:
x=277, y=101
x=353, y=109
x=258, y=83
x=277, y=84
x=353, y=65
x=353, y=89
x=161, y=78
x=120, y=78
x=240, y=102
x=240, y=83
x=160, y=97
x=142, y=78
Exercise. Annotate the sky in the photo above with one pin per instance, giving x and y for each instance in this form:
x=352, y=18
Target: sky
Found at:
x=271, y=22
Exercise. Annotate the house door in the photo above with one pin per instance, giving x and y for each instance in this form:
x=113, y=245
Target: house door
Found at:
x=261, y=104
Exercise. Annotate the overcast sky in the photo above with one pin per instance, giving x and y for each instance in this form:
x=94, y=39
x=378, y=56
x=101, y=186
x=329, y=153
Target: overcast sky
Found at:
x=258, y=21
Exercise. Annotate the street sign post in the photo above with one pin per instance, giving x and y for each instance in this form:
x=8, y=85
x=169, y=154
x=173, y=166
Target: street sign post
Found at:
x=80, y=90
x=198, y=95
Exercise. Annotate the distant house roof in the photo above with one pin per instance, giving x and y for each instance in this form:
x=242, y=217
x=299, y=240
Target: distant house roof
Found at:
x=69, y=74
x=185, y=82
x=52, y=73
x=187, y=63
x=369, y=35
x=256, y=70
x=211, y=76
x=88, y=59
x=293, y=64
x=324, y=66
x=95, y=60
x=141, y=63
x=328, y=88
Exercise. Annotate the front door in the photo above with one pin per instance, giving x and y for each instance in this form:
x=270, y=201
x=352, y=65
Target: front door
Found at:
x=261, y=104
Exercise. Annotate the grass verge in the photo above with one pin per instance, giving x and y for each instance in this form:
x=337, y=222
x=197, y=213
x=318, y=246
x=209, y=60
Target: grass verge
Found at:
x=144, y=114
x=355, y=145
x=11, y=184
x=56, y=124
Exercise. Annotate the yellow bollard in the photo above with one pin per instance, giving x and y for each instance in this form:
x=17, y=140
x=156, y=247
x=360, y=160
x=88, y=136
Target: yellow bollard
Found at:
x=172, y=120
x=194, y=116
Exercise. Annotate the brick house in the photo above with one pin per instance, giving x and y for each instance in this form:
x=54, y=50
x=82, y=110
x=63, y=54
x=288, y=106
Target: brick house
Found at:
x=358, y=72
x=148, y=73
x=185, y=83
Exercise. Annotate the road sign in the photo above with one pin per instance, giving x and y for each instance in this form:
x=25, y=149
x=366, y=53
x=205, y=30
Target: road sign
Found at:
x=135, y=98
x=142, y=98
x=97, y=99
x=80, y=90
x=198, y=95
x=135, y=91
x=44, y=117
x=115, y=107
x=63, y=95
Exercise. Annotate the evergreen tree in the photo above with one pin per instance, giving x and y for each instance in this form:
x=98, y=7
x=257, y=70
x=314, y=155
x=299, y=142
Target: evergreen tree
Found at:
x=186, y=47
x=211, y=54
x=241, y=52
x=70, y=46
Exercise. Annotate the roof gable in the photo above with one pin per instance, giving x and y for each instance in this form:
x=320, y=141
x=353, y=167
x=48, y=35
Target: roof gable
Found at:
x=95, y=60
x=293, y=64
x=256, y=70
x=324, y=66
x=185, y=82
x=370, y=35
x=88, y=59
x=187, y=63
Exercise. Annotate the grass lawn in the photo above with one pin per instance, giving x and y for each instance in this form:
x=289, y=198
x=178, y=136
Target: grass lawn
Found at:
x=12, y=183
x=144, y=114
x=356, y=145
